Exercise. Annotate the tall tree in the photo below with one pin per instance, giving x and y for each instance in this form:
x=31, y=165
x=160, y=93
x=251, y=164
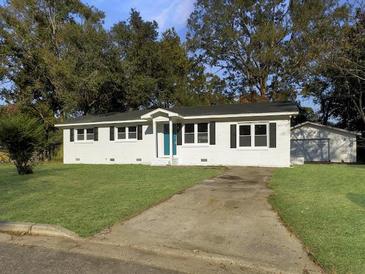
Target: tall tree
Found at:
x=172, y=71
x=136, y=44
x=49, y=53
x=153, y=71
x=262, y=46
x=51, y=59
x=338, y=84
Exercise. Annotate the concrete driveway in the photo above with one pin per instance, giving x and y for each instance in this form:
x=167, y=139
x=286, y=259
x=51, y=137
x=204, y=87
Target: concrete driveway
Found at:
x=226, y=216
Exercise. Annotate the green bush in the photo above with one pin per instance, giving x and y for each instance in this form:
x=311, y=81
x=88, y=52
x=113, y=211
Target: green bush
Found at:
x=21, y=136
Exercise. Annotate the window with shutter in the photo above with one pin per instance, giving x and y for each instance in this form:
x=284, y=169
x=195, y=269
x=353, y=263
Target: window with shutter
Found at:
x=72, y=135
x=111, y=133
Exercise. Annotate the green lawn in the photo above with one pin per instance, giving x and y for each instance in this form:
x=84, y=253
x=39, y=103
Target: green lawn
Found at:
x=325, y=206
x=88, y=198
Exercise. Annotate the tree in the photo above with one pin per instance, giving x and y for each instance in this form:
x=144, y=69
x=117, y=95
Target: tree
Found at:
x=57, y=61
x=172, y=71
x=205, y=88
x=263, y=47
x=305, y=114
x=338, y=84
x=135, y=42
x=51, y=55
x=21, y=136
x=153, y=72
x=349, y=76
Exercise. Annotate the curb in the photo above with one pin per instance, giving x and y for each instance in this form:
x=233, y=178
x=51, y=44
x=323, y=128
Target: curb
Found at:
x=211, y=259
x=25, y=228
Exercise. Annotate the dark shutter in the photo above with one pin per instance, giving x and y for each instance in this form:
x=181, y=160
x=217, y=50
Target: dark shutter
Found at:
x=272, y=137
x=111, y=133
x=179, y=134
x=233, y=136
x=72, y=134
x=96, y=134
x=212, y=133
x=139, y=132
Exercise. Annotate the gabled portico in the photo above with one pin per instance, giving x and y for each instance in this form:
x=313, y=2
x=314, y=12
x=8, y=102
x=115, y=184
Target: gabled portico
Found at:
x=165, y=150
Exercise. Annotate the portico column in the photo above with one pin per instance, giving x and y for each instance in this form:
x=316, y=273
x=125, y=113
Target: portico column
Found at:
x=171, y=138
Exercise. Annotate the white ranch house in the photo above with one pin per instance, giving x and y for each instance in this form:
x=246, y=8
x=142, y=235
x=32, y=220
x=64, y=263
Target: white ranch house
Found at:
x=247, y=135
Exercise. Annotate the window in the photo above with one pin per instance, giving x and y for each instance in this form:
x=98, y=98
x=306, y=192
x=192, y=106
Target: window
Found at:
x=189, y=133
x=245, y=136
x=90, y=134
x=252, y=135
x=80, y=134
x=203, y=133
x=261, y=135
x=132, y=132
x=121, y=133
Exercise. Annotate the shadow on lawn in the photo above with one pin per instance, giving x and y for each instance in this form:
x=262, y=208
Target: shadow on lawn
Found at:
x=11, y=176
x=358, y=199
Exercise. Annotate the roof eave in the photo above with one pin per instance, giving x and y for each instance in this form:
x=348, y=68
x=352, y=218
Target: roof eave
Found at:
x=100, y=123
x=242, y=115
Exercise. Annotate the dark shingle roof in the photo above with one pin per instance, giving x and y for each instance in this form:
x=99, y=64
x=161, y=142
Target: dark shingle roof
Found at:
x=236, y=109
x=253, y=108
x=109, y=117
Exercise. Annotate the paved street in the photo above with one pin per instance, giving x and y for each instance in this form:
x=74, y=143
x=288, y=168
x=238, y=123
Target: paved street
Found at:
x=26, y=259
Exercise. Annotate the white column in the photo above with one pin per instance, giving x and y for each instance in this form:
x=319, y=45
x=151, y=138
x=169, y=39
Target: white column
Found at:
x=155, y=141
x=171, y=138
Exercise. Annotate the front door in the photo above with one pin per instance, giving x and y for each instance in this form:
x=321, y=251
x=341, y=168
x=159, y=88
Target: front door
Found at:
x=166, y=140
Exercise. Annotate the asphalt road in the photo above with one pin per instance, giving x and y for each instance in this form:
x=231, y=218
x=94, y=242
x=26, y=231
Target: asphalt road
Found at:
x=27, y=259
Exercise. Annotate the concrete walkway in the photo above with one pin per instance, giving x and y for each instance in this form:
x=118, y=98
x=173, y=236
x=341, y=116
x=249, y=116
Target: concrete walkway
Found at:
x=228, y=216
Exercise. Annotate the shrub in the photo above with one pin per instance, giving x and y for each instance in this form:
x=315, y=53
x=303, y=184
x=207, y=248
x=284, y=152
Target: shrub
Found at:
x=4, y=157
x=21, y=136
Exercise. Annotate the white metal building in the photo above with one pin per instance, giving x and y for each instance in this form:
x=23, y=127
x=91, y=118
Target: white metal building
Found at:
x=314, y=142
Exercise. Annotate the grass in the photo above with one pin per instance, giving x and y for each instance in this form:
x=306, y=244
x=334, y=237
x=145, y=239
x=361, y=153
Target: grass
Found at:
x=325, y=206
x=89, y=198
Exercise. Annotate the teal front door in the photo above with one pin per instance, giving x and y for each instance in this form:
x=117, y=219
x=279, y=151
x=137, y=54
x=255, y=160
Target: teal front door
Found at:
x=166, y=140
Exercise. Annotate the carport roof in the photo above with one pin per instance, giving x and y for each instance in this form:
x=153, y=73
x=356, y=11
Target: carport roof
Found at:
x=269, y=108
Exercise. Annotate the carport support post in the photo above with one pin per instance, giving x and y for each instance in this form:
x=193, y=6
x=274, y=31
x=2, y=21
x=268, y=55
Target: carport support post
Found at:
x=171, y=138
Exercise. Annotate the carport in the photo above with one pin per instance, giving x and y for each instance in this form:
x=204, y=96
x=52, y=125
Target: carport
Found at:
x=312, y=142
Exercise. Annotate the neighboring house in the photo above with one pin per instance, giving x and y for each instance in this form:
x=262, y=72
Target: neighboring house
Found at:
x=249, y=134
x=319, y=143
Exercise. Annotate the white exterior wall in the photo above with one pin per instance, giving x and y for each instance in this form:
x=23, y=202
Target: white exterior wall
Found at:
x=222, y=154
x=342, y=146
x=101, y=151
x=127, y=152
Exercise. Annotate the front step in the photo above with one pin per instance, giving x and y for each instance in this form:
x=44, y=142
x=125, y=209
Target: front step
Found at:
x=164, y=162
x=160, y=162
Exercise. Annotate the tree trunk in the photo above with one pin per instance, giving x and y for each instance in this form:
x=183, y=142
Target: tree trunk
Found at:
x=23, y=169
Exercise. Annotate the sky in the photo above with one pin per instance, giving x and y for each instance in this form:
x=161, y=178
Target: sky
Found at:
x=167, y=13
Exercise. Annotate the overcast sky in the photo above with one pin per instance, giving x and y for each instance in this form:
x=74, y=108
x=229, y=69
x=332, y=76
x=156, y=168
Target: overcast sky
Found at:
x=167, y=13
